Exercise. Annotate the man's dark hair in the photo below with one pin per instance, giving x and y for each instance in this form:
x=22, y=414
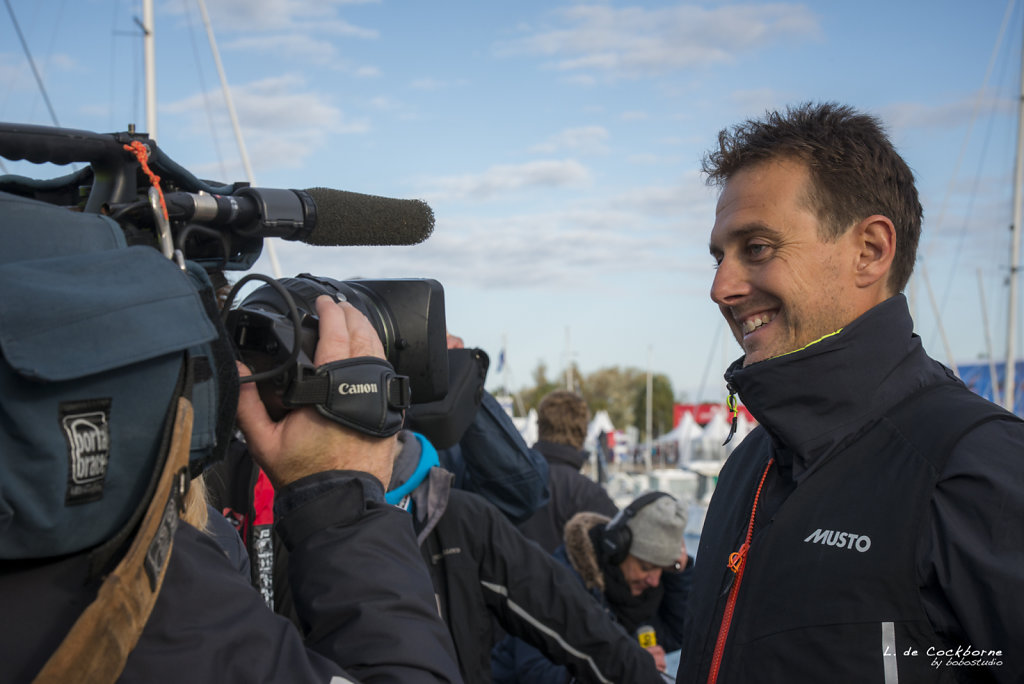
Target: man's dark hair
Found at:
x=855, y=171
x=562, y=418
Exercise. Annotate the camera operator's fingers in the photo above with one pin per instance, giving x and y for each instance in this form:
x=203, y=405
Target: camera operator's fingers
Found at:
x=455, y=342
x=344, y=333
x=253, y=419
x=363, y=338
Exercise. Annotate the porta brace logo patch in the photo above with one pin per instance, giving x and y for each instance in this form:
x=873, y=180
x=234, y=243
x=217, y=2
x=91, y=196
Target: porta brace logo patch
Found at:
x=840, y=540
x=86, y=428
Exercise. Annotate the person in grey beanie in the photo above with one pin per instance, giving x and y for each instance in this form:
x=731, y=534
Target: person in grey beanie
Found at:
x=636, y=565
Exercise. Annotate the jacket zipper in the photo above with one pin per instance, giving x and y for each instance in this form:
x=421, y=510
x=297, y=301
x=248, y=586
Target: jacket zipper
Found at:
x=737, y=564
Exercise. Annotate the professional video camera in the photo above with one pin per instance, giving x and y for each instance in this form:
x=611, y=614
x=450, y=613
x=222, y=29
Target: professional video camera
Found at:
x=91, y=303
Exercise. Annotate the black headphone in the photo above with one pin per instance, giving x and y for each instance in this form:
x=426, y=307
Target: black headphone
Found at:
x=617, y=537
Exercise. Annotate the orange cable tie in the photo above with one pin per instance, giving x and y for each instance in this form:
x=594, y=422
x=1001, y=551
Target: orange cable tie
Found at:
x=142, y=154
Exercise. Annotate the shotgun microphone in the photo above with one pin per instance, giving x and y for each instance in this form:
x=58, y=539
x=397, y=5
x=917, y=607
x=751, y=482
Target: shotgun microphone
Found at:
x=316, y=216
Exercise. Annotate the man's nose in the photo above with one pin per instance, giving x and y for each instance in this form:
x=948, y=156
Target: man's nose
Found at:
x=730, y=282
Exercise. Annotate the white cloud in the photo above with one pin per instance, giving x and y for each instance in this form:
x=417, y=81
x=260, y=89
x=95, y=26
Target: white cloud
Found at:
x=944, y=115
x=434, y=84
x=245, y=16
x=582, y=139
x=636, y=42
x=505, y=178
x=571, y=250
x=366, y=72
x=689, y=198
x=292, y=45
x=14, y=74
x=755, y=102
x=653, y=232
x=282, y=121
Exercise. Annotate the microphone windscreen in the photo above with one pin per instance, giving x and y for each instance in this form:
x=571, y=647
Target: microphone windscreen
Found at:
x=351, y=218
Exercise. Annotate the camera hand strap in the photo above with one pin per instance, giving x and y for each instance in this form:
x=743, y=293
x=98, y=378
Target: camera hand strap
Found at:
x=363, y=393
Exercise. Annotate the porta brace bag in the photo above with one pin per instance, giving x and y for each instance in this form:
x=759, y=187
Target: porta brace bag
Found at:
x=92, y=349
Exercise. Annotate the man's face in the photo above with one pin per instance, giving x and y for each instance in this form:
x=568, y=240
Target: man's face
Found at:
x=639, y=574
x=778, y=284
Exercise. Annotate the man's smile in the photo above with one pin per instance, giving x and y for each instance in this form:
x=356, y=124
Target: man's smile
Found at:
x=752, y=323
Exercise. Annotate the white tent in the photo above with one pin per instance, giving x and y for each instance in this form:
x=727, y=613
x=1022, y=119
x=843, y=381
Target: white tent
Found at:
x=601, y=422
x=685, y=436
x=527, y=427
x=743, y=428
x=711, y=445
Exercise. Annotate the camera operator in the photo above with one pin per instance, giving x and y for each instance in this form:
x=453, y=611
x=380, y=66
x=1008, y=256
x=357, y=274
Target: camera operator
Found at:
x=361, y=591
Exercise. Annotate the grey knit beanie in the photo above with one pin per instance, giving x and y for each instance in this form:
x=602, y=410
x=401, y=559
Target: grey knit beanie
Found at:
x=657, y=531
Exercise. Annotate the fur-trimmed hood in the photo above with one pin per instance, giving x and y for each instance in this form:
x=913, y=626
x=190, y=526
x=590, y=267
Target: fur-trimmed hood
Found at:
x=579, y=548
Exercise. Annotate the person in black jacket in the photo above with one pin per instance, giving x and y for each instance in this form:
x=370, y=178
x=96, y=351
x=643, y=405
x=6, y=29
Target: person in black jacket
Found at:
x=487, y=575
x=562, y=420
x=637, y=569
x=869, y=528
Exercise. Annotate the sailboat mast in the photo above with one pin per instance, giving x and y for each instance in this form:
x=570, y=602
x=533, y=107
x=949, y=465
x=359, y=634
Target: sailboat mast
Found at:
x=1011, y=320
x=149, y=43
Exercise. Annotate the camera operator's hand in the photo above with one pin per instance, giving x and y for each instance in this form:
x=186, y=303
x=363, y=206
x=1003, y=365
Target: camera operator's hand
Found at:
x=304, y=442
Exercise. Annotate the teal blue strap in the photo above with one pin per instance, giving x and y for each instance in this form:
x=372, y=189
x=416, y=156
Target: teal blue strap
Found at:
x=428, y=459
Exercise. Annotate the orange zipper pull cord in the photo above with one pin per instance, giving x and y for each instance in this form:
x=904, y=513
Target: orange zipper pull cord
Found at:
x=737, y=563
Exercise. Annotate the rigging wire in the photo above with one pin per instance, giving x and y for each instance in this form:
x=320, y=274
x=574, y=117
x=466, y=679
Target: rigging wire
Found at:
x=202, y=86
x=978, y=101
x=707, y=366
x=32, y=63
x=240, y=139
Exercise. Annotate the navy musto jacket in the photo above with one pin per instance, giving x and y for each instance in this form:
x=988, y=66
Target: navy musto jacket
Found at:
x=887, y=544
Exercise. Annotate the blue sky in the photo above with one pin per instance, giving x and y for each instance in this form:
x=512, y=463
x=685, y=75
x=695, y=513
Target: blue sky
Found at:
x=557, y=143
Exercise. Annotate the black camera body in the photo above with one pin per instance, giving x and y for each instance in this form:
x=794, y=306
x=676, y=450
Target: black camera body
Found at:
x=407, y=314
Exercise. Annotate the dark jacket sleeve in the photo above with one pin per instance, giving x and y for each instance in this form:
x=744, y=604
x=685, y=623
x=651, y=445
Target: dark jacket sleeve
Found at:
x=492, y=460
x=361, y=591
x=672, y=610
x=209, y=624
x=972, y=560
x=538, y=599
x=360, y=588
x=517, y=661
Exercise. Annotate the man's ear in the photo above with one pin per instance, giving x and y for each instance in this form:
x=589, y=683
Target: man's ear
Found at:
x=875, y=238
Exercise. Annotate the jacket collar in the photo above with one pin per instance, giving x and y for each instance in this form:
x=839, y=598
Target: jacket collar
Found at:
x=428, y=484
x=562, y=454
x=813, y=400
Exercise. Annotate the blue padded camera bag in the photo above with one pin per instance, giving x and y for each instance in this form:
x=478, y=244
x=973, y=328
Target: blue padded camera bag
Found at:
x=94, y=338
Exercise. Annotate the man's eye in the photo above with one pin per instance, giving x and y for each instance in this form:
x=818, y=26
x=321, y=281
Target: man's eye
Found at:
x=757, y=250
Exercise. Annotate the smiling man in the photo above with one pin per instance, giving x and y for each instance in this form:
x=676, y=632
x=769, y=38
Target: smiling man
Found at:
x=875, y=512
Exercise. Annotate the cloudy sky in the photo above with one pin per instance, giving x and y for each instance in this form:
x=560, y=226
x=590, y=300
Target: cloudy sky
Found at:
x=558, y=143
